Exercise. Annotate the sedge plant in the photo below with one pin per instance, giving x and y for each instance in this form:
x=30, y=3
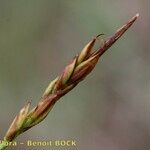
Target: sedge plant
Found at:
x=76, y=71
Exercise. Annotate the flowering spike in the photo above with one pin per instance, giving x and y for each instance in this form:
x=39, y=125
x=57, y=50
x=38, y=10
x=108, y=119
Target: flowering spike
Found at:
x=75, y=72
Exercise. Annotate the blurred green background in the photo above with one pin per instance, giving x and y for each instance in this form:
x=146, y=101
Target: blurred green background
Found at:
x=110, y=109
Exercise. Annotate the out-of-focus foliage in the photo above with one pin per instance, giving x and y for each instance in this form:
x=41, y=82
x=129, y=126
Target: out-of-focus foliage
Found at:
x=110, y=109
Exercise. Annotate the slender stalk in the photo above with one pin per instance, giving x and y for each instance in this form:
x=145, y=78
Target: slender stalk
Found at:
x=74, y=72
